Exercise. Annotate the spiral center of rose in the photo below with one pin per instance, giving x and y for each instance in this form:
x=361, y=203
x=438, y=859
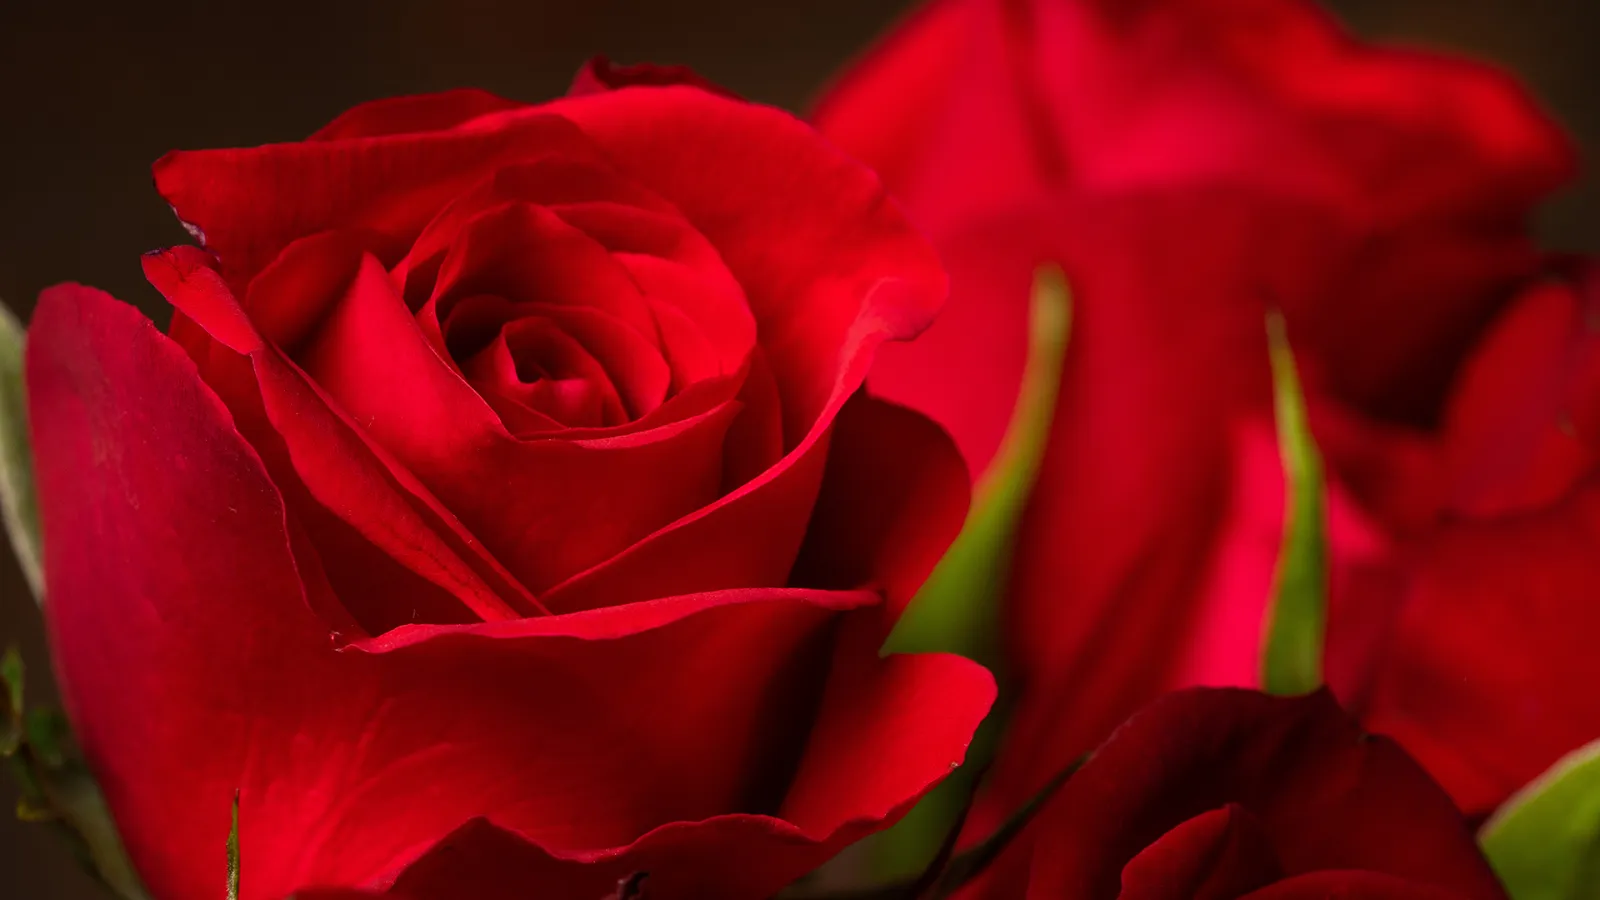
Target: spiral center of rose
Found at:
x=538, y=361
x=571, y=298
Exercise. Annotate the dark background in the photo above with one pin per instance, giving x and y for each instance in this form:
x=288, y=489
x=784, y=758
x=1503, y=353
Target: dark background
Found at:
x=92, y=93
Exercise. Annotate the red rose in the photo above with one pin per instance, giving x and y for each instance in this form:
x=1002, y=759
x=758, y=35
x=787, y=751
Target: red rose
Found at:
x=1189, y=163
x=1224, y=793
x=503, y=506
x=1467, y=557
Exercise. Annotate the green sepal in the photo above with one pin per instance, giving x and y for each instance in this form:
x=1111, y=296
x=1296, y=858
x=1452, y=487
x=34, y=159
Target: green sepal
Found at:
x=957, y=609
x=1544, y=842
x=954, y=612
x=1296, y=621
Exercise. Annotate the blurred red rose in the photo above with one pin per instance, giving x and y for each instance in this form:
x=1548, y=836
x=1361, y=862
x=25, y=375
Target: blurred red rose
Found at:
x=1190, y=164
x=1467, y=557
x=1222, y=793
x=503, y=506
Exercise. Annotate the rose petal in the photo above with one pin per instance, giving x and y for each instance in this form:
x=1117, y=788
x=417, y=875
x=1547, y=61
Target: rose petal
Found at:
x=352, y=763
x=879, y=282
x=1352, y=885
x=549, y=508
x=353, y=480
x=893, y=498
x=1217, y=855
x=977, y=107
x=412, y=115
x=1327, y=796
x=238, y=202
x=829, y=266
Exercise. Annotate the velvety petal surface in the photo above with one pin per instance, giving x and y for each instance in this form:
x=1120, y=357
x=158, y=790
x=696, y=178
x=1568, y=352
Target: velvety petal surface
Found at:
x=1217, y=855
x=1327, y=797
x=364, y=496
x=827, y=268
x=353, y=763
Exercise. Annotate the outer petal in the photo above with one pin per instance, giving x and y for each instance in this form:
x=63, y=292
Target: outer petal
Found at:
x=1476, y=599
x=848, y=786
x=1328, y=797
x=893, y=499
x=1484, y=675
x=976, y=107
x=1216, y=855
x=237, y=205
x=354, y=762
x=413, y=115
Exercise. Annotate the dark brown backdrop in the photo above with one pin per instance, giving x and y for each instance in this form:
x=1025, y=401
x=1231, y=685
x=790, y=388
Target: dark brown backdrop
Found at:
x=92, y=92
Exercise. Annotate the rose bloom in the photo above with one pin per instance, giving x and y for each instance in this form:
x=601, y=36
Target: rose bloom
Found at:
x=501, y=515
x=1469, y=553
x=1219, y=793
x=1191, y=164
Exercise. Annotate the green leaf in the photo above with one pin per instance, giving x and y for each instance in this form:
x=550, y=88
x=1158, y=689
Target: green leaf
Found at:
x=1544, y=842
x=55, y=787
x=11, y=673
x=49, y=736
x=18, y=506
x=1291, y=661
x=233, y=852
x=957, y=610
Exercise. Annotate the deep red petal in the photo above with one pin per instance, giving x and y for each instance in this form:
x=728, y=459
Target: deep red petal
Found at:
x=1349, y=886
x=1327, y=796
x=828, y=264
x=353, y=762
x=976, y=107
x=345, y=473
x=1216, y=855
x=413, y=115
x=1442, y=635
x=594, y=498
x=864, y=756
x=741, y=187
x=1492, y=614
x=247, y=205
x=893, y=498
x=1520, y=430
